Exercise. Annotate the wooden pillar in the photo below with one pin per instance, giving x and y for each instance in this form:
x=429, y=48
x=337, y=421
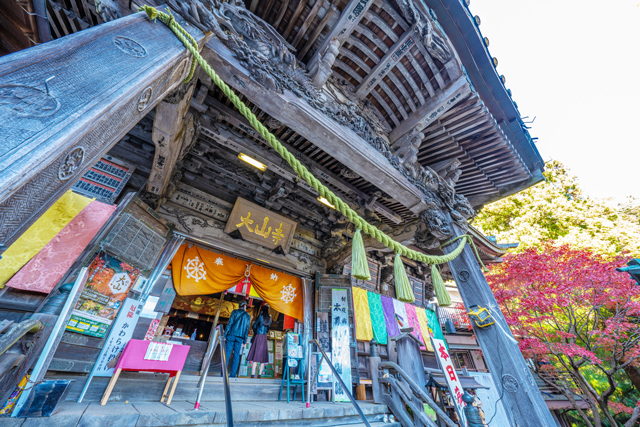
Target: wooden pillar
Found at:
x=67, y=102
x=173, y=130
x=511, y=375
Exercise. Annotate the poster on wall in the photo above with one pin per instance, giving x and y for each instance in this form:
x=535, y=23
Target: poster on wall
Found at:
x=450, y=376
x=122, y=332
x=340, y=350
x=104, y=293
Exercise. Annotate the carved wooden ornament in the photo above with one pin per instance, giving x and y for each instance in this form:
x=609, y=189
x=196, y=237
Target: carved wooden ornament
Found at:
x=261, y=226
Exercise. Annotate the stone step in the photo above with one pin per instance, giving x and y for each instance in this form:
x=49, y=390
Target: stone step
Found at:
x=210, y=414
x=373, y=424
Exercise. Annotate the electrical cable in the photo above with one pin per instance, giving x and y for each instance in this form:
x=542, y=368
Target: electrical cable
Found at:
x=495, y=407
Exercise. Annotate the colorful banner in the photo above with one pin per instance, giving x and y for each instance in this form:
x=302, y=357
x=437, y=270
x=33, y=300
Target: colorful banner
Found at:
x=197, y=271
x=412, y=319
x=377, y=318
x=389, y=316
x=424, y=328
x=450, y=376
x=340, y=345
x=40, y=233
x=400, y=314
x=46, y=269
x=434, y=324
x=106, y=288
x=119, y=337
x=364, y=331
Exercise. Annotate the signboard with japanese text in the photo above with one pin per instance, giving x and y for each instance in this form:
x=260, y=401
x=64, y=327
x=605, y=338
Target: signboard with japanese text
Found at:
x=260, y=225
x=166, y=297
x=121, y=334
x=325, y=377
x=107, y=286
x=105, y=180
x=340, y=342
x=450, y=376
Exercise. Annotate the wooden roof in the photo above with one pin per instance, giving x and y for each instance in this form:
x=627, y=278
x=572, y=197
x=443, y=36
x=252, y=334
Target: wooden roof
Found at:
x=385, y=61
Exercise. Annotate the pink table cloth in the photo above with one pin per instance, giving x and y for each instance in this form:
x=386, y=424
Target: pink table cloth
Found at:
x=132, y=359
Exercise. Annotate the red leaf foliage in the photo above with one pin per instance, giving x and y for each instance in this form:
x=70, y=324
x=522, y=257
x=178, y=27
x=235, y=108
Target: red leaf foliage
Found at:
x=570, y=303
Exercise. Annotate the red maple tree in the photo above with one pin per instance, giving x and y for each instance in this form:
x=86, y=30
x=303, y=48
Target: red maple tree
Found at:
x=572, y=311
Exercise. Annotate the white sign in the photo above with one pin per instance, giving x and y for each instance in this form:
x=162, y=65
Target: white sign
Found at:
x=121, y=332
x=119, y=283
x=340, y=348
x=450, y=376
x=158, y=351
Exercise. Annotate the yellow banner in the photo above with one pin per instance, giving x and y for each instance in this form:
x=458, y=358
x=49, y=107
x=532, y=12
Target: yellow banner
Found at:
x=424, y=327
x=364, y=330
x=40, y=233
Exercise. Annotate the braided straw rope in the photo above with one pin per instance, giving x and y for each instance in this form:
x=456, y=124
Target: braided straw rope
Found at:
x=299, y=168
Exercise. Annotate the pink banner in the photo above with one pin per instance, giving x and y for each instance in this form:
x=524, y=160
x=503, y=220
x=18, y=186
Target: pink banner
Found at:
x=412, y=317
x=46, y=269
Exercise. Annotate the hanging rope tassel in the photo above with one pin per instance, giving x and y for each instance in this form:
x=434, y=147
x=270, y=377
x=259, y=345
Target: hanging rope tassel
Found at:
x=359, y=263
x=404, y=292
x=438, y=285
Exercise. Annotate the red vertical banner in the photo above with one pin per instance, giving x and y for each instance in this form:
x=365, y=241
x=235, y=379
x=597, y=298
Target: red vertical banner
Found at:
x=289, y=322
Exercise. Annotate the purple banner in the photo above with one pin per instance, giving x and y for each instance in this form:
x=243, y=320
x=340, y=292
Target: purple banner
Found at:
x=390, y=316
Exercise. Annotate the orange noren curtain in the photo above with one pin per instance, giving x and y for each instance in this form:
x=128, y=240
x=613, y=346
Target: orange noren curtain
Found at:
x=197, y=271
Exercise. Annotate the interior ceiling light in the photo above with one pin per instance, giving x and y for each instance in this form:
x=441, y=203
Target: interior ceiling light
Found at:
x=253, y=162
x=325, y=202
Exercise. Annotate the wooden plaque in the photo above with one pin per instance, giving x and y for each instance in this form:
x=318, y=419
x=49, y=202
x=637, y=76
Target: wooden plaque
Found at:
x=261, y=226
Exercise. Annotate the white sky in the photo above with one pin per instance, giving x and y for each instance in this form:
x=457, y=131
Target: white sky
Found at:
x=575, y=65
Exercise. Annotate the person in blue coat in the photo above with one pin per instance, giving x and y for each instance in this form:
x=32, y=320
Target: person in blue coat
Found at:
x=236, y=336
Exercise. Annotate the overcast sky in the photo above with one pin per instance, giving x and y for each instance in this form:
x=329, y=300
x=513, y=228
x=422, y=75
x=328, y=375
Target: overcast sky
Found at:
x=575, y=65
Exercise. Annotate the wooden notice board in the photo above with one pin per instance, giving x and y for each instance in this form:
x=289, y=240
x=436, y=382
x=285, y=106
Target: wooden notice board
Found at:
x=260, y=225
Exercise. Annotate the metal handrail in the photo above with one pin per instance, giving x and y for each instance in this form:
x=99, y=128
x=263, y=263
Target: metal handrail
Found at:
x=225, y=374
x=337, y=376
x=418, y=391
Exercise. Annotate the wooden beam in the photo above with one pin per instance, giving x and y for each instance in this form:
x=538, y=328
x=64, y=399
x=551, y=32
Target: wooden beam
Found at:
x=342, y=143
x=523, y=402
x=172, y=130
x=397, y=51
x=307, y=22
x=294, y=17
x=351, y=15
x=283, y=10
x=435, y=107
x=62, y=118
x=316, y=33
x=239, y=121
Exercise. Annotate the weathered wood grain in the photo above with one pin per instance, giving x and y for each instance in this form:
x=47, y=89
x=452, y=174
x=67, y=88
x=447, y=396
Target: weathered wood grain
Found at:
x=343, y=143
x=351, y=15
x=68, y=101
x=511, y=375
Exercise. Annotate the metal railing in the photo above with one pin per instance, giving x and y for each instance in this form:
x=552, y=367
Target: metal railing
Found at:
x=406, y=388
x=337, y=376
x=218, y=339
x=458, y=316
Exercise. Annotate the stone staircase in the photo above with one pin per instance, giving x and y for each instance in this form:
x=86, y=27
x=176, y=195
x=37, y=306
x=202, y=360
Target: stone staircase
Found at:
x=210, y=414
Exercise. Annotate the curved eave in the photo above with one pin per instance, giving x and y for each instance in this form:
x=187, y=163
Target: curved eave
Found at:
x=468, y=42
x=491, y=251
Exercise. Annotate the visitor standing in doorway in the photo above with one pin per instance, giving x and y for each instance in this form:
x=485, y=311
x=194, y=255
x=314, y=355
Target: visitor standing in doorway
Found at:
x=236, y=336
x=258, y=353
